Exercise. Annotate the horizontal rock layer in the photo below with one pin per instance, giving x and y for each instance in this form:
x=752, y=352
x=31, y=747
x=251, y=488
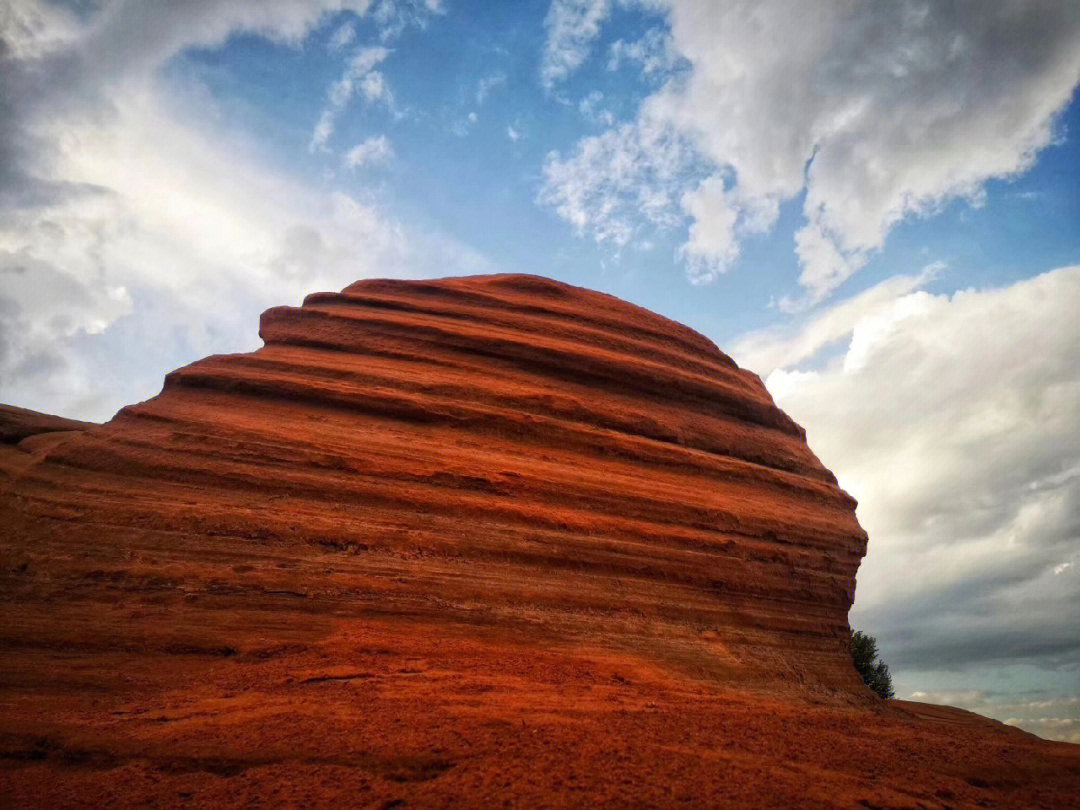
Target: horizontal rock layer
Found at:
x=471, y=542
x=498, y=449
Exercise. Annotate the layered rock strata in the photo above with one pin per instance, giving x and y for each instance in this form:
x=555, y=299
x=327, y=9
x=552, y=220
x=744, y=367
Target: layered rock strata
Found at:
x=494, y=449
x=477, y=542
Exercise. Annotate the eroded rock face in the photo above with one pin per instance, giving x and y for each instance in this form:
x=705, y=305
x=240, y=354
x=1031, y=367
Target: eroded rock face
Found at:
x=463, y=543
x=499, y=449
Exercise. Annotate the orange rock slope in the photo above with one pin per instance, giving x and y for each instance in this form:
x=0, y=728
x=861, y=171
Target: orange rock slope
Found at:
x=459, y=542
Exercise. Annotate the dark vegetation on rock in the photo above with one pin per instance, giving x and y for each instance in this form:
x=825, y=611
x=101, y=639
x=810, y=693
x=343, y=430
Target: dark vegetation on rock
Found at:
x=868, y=663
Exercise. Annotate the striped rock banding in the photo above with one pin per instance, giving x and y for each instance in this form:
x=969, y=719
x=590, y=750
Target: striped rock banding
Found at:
x=504, y=448
x=476, y=542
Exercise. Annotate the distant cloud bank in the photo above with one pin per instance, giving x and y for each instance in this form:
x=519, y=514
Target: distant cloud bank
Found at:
x=952, y=419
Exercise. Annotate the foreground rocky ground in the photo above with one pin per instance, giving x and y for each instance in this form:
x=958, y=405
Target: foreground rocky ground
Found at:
x=320, y=710
x=467, y=543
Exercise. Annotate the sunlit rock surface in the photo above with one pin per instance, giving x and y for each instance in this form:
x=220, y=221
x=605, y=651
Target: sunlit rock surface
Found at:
x=470, y=540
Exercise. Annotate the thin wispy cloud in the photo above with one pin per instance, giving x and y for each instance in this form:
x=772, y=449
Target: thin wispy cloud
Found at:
x=372, y=152
x=487, y=85
x=572, y=26
x=654, y=53
x=359, y=79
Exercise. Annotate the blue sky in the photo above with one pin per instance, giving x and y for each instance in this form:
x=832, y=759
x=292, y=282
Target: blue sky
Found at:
x=876, y=207
x=470, y=127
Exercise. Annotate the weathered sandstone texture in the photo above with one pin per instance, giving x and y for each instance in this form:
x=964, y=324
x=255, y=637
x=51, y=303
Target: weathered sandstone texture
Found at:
x=455, y=543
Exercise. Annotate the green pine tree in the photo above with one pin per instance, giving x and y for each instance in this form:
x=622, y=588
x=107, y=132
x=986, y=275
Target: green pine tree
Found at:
x=873, y=670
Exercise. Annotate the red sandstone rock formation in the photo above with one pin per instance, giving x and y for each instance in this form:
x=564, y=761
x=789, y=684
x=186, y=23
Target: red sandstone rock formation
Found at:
x=454, y=542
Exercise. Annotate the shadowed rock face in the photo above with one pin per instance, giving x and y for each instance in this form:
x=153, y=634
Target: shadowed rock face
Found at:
x=483, y=538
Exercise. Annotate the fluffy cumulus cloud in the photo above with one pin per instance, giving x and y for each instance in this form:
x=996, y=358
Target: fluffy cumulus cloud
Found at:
x=872, y=112
x=952, y=419
x=133, y=236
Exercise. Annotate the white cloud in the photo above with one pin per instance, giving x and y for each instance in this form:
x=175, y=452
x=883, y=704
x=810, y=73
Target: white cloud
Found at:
x=877, y=114
x=653, y=52
x=324, y=128
x=395, y=16
x=712, y=243
x=366, y=59
x=462, y=126
x=790, y=345
x=618, y=178
x=30, y=30
x=129, y=38
x=371, y=152
x=185, y=219
x=952, y=420
x=343, y=35
x=373, y=87
x=487, y=84
x=824, y=265
x=591, y=110
x=135, y=237
x=571, y=25
x=360, y=77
